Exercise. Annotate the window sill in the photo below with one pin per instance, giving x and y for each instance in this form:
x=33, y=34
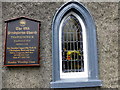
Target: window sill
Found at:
x=76, y=83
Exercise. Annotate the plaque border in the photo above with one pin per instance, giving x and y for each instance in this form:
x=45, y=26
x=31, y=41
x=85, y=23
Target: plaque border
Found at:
x=5, y=40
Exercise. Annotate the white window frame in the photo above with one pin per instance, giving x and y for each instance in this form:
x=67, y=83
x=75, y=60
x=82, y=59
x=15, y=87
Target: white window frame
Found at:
x=83, y=74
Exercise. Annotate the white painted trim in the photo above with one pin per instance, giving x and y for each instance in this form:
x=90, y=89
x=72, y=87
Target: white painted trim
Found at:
x=85, y=55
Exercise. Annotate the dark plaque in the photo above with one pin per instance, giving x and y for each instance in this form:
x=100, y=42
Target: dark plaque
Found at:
x=22, y=42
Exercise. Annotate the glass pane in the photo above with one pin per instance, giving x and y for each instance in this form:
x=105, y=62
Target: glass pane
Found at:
x=72, y=45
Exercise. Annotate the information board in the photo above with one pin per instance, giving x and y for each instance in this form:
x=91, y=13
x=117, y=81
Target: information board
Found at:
x=22, y=42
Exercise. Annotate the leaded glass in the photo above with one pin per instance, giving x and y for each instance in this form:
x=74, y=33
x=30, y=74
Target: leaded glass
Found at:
x=72, y=45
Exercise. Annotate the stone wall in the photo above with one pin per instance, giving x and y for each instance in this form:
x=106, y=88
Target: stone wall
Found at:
x=106, y=19
x=1, y=45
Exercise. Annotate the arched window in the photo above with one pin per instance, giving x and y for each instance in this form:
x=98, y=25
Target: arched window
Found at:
x=74, y=53
x=72, y=47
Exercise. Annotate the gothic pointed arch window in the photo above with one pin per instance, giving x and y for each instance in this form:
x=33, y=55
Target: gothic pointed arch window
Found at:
x=74, y=48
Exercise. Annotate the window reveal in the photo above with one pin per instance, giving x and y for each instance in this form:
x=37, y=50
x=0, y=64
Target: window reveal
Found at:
x=74, y=49
x=72, y=45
